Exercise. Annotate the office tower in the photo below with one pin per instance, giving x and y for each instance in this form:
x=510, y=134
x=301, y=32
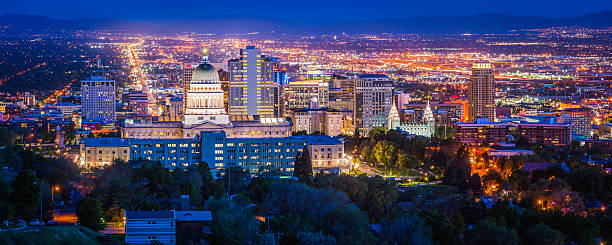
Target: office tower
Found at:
x=251, y=89
x=204, y=96
x=481, y=92
x=186, y=74
x=98, y=99
x=311, y=94
x=279, y=102
x=373, y=100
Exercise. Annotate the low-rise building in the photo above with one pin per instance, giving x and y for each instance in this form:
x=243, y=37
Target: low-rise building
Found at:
x=478, y=133
x=322, y=121
x=325, y=152
x=146, y=227
x=98, y=152
x=557, y=134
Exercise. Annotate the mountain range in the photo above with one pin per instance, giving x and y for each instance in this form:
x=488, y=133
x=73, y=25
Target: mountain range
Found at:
x=479, y=23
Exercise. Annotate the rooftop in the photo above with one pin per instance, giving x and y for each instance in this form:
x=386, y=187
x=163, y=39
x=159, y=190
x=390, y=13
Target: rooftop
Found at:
x=149, y=215
x=105, y=142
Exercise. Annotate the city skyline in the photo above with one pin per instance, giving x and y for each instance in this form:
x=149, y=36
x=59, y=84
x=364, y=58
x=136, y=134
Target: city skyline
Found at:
x=467, y=130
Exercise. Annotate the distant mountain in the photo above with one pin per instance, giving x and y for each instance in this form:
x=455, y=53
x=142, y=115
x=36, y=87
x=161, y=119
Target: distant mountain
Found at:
x=479, y=23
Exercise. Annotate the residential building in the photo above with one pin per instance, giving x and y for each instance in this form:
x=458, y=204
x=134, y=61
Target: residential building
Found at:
x=482, y=132
x=481, y=92
x=147, y=227
x=557, y=134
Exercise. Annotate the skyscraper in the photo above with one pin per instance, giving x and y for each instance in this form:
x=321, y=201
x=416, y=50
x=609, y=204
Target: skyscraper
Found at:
x=373, y=100
x=98, y=99
x=186, y=74
x=251, y=79
x=481, y=92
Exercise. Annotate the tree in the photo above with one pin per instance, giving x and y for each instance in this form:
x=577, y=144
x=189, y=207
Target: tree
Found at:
x=520, y=180
x=492, y=181
x=348, y=225
x=475, y=183
x=303, y=166
x=458, y=170
x=385, y=152
x=209, y=187
x=315, y=238
x=233, y=222
x=443, y=231
x=487, y=233
x=26, y=194
x=504, y=215
x=586, y=180
x=6, y=208
x=542, y=234
x=89, y=212
x=406, y=229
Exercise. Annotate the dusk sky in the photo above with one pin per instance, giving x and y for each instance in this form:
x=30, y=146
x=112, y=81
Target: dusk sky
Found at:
x=303, y=12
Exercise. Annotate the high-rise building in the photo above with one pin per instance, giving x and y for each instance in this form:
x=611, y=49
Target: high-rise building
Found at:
x=98, y=99
x=373, y=100
x=481, y=92
x=311, y=94
x=251, y=84
x=186, y=74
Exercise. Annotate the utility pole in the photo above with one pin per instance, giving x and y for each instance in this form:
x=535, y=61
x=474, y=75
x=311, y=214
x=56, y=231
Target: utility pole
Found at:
x=41, y=204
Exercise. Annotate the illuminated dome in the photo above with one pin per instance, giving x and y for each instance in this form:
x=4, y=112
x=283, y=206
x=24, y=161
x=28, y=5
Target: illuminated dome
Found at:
x=205, y=72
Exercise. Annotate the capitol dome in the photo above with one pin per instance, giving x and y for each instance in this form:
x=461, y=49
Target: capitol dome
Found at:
x=205, y=72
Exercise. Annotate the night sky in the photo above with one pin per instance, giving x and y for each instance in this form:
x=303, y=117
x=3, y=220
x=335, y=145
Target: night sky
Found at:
x=308, y=12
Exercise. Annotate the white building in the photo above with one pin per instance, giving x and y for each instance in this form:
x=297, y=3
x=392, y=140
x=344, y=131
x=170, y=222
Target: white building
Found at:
x=145, y=227
x=204, y=96
x=426, y=127
x=98, y=99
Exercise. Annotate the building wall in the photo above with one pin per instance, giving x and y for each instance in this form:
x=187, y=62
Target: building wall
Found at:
x=253, y=154
x=251, y=84
x=474, y=134
x=373, y=100
x=326, y=156
x=171, y=153
x=545, y=134
x=148, y=230
x=481, y=92
x=98, y=99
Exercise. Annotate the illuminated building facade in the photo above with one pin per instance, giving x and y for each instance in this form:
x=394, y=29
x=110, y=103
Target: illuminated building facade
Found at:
x=311, y=94
x=251, y=82
x=373, y=101
x=204, y=96
x=481, y=92
x=478, y=133
x=98, y=99
x=558, y=134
